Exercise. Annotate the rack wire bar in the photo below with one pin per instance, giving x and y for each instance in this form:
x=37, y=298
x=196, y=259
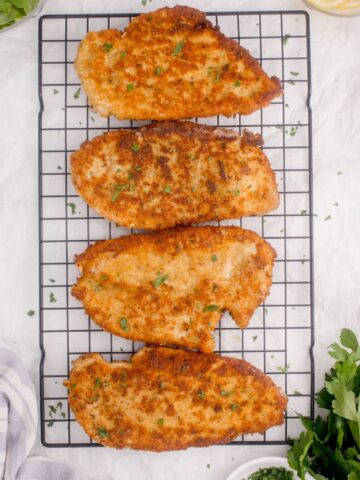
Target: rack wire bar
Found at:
x=280, y=337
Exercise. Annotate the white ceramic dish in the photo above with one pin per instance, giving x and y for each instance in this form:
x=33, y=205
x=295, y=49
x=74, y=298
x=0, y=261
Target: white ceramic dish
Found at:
x=242, y=472
x=31, y=14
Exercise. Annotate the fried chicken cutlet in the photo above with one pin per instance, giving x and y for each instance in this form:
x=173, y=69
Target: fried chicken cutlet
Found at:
x=173, y=173
x=170, y=399
x=171, y=287
x=170, y=64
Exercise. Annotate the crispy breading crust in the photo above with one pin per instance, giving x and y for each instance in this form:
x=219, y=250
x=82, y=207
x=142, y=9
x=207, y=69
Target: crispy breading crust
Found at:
x=171, y=64
x=172, y=173
x=171, y=287
x=168, y=399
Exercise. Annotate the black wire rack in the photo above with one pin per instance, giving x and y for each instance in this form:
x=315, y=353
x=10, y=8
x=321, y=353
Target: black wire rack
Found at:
x=280, y=337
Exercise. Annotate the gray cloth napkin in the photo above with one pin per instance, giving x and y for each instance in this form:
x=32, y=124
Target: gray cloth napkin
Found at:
x=18, y=424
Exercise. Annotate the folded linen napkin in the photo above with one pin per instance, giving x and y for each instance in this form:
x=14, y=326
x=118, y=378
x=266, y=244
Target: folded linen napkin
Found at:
x=18, y=424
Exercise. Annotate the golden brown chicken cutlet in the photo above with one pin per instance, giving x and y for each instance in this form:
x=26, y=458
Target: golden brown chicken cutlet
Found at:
x=173, y=173
x=171, y=287
x=171, y=64
x=169, y=399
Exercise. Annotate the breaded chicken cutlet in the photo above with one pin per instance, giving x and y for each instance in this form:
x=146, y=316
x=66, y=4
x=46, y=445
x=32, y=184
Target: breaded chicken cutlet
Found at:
x=171, y=64
x=169, y=399
x=171, y=287
x=174, y=173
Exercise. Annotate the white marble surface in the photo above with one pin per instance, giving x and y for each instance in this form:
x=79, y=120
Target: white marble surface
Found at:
x=336, y=106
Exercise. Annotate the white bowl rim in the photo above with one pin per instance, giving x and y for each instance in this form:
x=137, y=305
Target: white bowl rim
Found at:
x=252, y=466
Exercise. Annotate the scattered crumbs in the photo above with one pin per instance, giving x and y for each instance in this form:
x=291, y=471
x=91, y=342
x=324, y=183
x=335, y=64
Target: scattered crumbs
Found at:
x=286, y=38
x=327, y=218
x=178, y=48
x=214, y=258
x=31, y=313
x=284, y=369
x=339, y=173
x=92, y=118
x=130, y=87
x=208, y=465
x=159, y=280
x=294, y=74
x=59, y=167
x=55, y=92
x=303, y=212
x=336, y=204
x=291, y=82
x=77, y=94
x=51, y=280
x=167, y=189
x=296, y=392
x=52, y=297
x=73, y=207
x=254, y=338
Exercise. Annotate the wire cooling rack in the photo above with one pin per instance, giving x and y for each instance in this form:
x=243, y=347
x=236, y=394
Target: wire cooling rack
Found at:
x=280, y=336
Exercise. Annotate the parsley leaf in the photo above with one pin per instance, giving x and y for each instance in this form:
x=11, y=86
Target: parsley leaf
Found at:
x=130, y=87
x=167, y=189
x=135, y=147
x=160, y=280
x=124, y=324
x=178, y=48
x=73, y=207
x=31, y=313
x=107, y=47
x=77, y=94
x=211, y=308
x=237, y=83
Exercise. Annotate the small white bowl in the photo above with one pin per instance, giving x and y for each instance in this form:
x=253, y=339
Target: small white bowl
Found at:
x=31, y=14
x=243, y=472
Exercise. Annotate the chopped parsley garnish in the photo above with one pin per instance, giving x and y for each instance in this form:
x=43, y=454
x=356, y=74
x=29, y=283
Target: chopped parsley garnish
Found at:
x=158, y=70
x=77, y=94
x=31, y=313
x=211, y=308
x=108, y=47
x=283, y=369
x=254, y=338
x=52, y=297
x=286, y=38
x=224, y=393
x=294, y=74
x=291, y=82
x=235, y=192
x=214, y=258
x=124, y=324
x=237, y=83
x=208, y=465
x=327, y=218
x=135, y=147
x=123, y=55
x=339, y=173
x=178, y=48
x=55, y=92
x=201, y=394
x=138, y=168
x=102, y=432
x=118, y=189
x=51, y=280
x=130, y=87
x=234, y=407
x=159, y=280
x=303, y=212
x=98, y=383
x=167, y=189
x=160, y=421
x=130, y=176
x=73, y=208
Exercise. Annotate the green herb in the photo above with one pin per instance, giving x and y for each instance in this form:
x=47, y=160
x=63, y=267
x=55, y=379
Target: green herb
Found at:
x=92, y=118
x=211, y=308
x=214, y=258
x=55, y=92
x=272, y=473
x=135, y=147
x=283, y=369
x=201, y=394
x=330, y=446
x=130, y=176
x=107, y=47
x=167, y=189
x=254, y=338
x=73, y=208
x=51, y=280
x=224, y=393
x=296, y=392
x=210, y=158
x=138, y=168
x=237, y=83
x=31, y=313
x=160, y=280
x=235, y=192
x=286, y=38
x=327, y=218
x=208, y=465
x=162, y=384
x=178, y=48
x=102, y=432
x=59, y=167
x=293, y=131
x=51, y=423
x=286, y=105
x=130, y=87
x=98, y=383
x=13, y=10
x=123, y=55
x=160, y=421
x=77, y=94
x=234, y=407
x=158, y=70
x=118, y=189
x=303, y=212
x=124, y=324
x=144, y=2
x=52, y=297
x=294, y=74
x=339, y=173
x=291, y=82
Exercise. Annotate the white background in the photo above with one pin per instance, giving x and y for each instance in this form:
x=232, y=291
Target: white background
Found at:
x=336, y=113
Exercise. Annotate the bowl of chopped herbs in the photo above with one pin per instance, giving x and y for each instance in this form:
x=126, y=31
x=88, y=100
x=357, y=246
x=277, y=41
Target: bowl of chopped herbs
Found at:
x=14, y=12
x=266, y=468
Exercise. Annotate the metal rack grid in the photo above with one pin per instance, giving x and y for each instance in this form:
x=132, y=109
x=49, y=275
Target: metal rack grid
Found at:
x=280, y=336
